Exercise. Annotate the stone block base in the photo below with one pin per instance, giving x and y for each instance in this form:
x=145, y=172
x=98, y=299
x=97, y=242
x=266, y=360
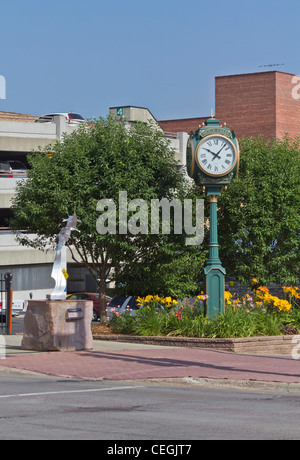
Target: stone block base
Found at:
x=58, y=325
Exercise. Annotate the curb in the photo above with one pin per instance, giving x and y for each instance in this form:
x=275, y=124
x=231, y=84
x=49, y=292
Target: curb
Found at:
x=227, y=383
x=202, y=382
x=6, y=371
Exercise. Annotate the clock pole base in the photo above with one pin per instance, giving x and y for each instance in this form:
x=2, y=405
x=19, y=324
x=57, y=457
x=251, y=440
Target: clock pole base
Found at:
x=214, y=285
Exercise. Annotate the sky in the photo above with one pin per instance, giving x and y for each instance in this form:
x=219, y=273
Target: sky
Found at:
x=87, y=56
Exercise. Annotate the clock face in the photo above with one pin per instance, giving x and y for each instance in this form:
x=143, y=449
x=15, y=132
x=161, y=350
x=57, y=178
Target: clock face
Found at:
x=216, y=155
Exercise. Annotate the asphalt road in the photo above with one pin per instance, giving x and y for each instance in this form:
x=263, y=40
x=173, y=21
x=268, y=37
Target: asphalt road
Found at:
x=43, y=407
x=53, y=409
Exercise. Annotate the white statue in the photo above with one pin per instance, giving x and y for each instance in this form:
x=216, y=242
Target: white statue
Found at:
x=60, y=262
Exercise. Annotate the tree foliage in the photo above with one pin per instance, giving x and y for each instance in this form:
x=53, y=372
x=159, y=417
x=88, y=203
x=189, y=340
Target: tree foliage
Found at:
x=169, y=267
x=258, y=215
x=98, y=161
x=259, y=220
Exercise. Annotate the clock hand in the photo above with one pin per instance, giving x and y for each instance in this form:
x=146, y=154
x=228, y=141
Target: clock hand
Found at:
x=221, y=148
x=215, y=154
x=208, y=150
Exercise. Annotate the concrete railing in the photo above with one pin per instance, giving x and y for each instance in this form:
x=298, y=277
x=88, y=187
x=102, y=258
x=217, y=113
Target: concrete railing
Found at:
x=7, y=191
x=178, y=142
x=18, y=136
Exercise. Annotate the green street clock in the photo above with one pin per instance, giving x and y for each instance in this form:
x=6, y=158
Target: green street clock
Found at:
x=212, y=158
x=212, y=154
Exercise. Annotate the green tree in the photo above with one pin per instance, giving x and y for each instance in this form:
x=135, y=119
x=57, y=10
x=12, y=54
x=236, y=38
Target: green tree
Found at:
x=95, y=162
x=167, y=267
x=259, y=220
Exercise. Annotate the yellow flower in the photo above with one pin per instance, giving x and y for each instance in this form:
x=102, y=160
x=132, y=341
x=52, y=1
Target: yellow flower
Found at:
x=282, y=305
x=236, y=302
x=275, y=302
x=254, y=280
x=148, y=298
x=292, y=291
x=228, y=295
x=262, y=291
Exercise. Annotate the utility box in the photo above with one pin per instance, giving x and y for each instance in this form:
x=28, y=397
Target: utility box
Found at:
x=58, y=325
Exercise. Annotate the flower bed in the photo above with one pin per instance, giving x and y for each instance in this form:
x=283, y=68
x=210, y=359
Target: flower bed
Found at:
x=251, y=316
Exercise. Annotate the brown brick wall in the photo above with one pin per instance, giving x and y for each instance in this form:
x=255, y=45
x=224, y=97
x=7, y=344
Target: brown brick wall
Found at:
x=184, y=125
x=287, y=107
x=14, y=116
x=247, y=103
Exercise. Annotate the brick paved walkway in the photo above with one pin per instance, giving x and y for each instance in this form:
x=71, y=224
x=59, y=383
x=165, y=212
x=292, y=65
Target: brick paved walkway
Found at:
x=157, y=362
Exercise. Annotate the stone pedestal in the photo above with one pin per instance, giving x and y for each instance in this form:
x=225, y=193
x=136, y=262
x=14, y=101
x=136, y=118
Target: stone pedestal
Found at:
x=58, y=325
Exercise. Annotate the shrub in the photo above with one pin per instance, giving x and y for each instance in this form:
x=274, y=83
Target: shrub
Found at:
x=260, y=314
x=122, y=324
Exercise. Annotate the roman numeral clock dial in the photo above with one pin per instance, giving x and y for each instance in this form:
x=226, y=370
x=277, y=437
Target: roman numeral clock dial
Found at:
x=216, y=155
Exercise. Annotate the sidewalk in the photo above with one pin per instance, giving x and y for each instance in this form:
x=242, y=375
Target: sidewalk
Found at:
x=124, y=361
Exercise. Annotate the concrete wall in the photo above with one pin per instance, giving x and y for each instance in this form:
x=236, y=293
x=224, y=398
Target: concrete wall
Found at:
x=178, y=142
x=131, y=113
x=24, y=137
x=7, y=191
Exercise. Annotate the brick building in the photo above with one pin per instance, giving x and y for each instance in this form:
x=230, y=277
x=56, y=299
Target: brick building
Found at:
x=265, y=103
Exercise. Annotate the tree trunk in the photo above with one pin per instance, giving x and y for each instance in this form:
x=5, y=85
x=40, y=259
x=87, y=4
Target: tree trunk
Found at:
x=102, y=299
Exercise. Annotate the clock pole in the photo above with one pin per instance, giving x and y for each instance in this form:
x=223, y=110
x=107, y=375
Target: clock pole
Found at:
x=214, y=273
x=212, y=159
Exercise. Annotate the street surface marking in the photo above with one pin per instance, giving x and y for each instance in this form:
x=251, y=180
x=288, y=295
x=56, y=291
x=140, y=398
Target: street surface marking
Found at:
x=92, y=390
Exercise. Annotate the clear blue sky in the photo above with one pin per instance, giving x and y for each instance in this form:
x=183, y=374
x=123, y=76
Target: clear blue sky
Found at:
x=86, y=56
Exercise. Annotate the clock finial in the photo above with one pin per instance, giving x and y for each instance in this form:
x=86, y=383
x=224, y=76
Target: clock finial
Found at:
x=212, y=113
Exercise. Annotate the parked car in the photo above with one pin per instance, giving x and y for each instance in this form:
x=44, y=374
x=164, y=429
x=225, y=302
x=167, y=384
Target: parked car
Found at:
x=90, y=296
x=12, y=168
x=120, y=305
x=71, y=118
